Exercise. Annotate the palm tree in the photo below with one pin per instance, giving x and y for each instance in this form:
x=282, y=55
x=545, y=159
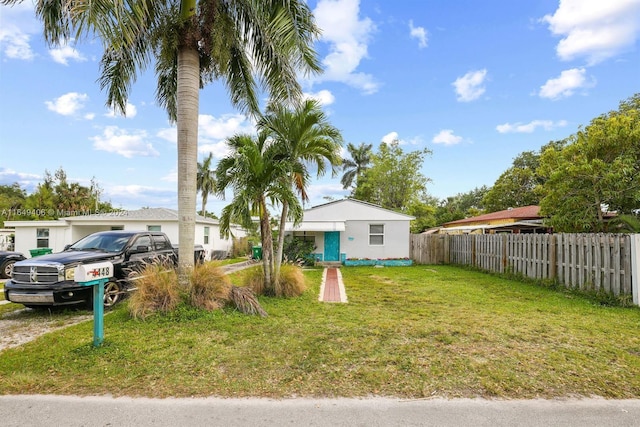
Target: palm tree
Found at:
x=205, y=181
x=253, y=170
x=194, y=42
x=359, y=162
x=305, y=138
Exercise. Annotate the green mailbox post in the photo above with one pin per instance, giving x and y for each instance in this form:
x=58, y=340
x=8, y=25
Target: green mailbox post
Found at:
x=96, y=275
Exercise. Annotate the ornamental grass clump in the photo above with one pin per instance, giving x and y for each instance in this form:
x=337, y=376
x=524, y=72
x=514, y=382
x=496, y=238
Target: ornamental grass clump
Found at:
x=210, y=288
x=291, y=282
x=254, y=280
x=157, y=291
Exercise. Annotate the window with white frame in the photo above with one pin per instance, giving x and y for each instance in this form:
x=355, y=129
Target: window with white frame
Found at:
x=154, y=228
x=376, y=234
x=42, y=237
x=206, y=235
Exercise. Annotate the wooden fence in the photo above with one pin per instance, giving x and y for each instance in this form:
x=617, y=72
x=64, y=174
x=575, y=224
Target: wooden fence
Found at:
x=582, y=261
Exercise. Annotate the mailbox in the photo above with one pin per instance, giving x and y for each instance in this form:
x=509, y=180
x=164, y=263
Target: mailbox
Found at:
x=95, y=271
x=96, y=275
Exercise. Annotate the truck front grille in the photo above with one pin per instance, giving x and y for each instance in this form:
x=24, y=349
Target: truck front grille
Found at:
x=35, y=274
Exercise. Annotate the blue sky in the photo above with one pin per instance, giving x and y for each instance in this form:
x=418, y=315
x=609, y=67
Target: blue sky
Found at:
x=476, y=82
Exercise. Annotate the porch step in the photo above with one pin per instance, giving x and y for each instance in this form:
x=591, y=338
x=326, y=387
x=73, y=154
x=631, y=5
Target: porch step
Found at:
x=328, y=264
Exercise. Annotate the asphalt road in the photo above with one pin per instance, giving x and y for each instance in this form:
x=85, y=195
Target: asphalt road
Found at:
x=24, y=411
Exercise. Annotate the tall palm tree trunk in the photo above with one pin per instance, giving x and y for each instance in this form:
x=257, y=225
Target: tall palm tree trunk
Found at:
x=280, y=248
x=187, y=122
x=204, y=204
x=267, y=247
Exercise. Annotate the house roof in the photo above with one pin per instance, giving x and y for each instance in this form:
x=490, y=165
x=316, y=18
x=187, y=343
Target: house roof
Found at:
x=519, y=214
x=146, y=214
x=352, y=209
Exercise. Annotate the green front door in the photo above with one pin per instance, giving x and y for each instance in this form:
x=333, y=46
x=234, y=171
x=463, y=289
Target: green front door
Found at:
x=332, y=246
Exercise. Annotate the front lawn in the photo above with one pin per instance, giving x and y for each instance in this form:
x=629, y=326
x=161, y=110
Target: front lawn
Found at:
x=409, y=332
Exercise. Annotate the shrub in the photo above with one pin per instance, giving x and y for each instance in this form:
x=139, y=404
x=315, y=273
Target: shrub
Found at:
x=157, y=291
x=241, y=247
x=299, y=251
x=254, y=280
x=291, y=282
x=210, y=289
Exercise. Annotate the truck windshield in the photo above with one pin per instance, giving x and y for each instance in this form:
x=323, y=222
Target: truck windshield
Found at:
x=101, y=242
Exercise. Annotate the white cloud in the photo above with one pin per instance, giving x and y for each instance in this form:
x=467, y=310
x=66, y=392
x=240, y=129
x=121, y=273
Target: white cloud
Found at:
x=17, y=24
x=213, y=131
x=530, y=127
x=348, y=38
x=29, y=181
x=130, y=112
x=594, y=29
x=15, y=44
x=418, y=33
x=320, y=191
x=324, y=97
x=68, y=104
x=172, y=176
x=64, y=53
x=125, y=143
x=390, y=137
x=134, y=196
x=566, y=84
x=446, y=137
x=470, y=86
x=394, y=136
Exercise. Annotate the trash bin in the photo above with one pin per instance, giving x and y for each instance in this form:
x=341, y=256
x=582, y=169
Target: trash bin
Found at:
x=40, y=251
x=257, y=252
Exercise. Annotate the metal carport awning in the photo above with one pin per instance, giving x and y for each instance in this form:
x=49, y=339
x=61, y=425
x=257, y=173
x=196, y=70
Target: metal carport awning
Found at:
x=316, y=226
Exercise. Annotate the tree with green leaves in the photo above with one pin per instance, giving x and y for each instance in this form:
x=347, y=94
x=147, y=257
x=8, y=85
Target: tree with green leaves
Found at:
x=394, y=180
x=519, y=185
x=355, y=166
x=253, y=172
x=193, y=42
x=597, y=170
x=205, y=181
x=12, y=199
x=462, y=205
x=307, y=141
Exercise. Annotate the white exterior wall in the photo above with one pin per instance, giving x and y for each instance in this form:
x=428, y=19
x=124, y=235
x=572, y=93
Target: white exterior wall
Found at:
x=27, y=239
x=354, y=241
x=62, y=233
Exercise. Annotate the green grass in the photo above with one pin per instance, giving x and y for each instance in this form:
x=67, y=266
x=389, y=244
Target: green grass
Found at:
x=408, y=332
x=221, y=262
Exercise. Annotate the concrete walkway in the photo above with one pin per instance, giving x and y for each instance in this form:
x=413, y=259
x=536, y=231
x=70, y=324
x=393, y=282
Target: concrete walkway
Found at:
x=332, y=288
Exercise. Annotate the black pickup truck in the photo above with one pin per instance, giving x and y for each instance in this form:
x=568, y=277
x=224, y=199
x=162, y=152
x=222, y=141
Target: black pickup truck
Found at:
x=48, y=280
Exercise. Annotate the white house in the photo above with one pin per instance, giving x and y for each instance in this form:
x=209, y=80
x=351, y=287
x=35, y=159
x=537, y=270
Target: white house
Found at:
x=350, y=228
x=55, y=234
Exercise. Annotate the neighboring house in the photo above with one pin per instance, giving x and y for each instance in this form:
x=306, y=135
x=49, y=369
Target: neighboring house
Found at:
x=55, y=234
x=526, y=219
x=349, y=228
x=6, y=239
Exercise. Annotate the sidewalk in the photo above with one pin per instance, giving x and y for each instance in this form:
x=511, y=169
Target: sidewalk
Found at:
x=332, y=288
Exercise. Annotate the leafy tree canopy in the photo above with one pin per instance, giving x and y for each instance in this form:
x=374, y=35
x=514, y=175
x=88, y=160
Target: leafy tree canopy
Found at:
x=393, y=180
x=520, y=184
x=462, y=205
x=53, y=198
x=598, y=169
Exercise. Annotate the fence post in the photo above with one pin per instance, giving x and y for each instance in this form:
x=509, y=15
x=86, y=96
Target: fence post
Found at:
x=447, y=256
x=635, y=268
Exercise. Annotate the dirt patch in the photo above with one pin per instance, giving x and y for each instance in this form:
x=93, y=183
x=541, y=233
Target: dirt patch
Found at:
x=21, y=326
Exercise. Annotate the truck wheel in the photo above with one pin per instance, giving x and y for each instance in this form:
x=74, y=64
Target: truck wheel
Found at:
x=7, y=269
x=112, y=294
